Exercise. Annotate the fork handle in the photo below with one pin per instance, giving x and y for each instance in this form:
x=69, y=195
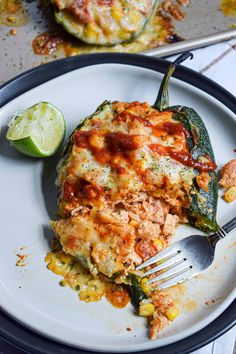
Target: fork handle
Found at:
x=222, y=232
x=229, y=226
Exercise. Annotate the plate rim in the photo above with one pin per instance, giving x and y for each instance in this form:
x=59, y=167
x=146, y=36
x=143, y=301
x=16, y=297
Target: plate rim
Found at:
x=32, y=78
x=36, y=76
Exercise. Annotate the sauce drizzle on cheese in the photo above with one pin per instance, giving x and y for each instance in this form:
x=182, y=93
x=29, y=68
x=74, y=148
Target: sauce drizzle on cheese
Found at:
x=185, y=158
x=116, y=144
x=120, y=144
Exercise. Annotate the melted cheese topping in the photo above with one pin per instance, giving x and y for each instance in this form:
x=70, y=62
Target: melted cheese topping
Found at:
x=113, y=152
x=104, y=22
x=119, y=186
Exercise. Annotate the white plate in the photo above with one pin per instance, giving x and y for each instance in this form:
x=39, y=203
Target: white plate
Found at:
x=32, y=294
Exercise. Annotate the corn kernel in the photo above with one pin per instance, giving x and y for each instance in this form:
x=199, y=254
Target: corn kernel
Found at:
x=66, y=258
x=172, y=313
x=91, y=30
x=133, y=223
x=96, y=141
x=11, y=19
x=230, y=194
x=134, y=18
x=145, y=287
x=124, y=35
x=146, y=310
x=49, y=257
x=158, y=244
x=58, y=269
x=116, y=12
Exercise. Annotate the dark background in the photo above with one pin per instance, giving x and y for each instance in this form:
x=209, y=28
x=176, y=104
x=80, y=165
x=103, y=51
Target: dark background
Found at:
x=6, y=348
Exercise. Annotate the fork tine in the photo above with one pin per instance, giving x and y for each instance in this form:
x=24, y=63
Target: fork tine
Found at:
x=175, y=271
x=168, y=252
x=178, y=279
x=176, y=259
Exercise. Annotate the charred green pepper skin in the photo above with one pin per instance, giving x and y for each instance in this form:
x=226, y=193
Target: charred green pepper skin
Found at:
x=162, y=100
x=135, y=291
x=203, y=205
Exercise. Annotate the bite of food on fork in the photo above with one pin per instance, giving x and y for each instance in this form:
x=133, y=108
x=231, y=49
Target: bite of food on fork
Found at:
x=185, y=259
x=192, y=255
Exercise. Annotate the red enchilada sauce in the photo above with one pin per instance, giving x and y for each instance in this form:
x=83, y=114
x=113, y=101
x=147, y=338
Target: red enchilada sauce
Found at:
x=74, y=190
x=123, y=144
x=116, y=144
x=117, y=295
x=164, y=128
x=185, y=158
x=105, y=2
x=46, y=43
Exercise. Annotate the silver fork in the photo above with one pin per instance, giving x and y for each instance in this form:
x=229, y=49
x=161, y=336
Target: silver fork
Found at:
x=186, y=258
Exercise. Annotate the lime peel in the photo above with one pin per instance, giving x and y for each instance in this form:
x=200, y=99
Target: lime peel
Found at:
x=38, y=131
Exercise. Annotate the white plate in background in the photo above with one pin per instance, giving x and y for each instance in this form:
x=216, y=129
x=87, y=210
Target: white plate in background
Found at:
x=32, y=294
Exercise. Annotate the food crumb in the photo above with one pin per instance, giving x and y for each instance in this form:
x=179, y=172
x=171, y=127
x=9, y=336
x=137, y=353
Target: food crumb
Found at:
x=13, y=32
x=21, y=260
x=11, y=19
x=128, y=329
x=228, y=180
x=63, y=283
x=174, y=9
x=211, y=302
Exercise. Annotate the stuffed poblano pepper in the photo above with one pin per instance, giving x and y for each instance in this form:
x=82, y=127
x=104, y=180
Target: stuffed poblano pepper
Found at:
x=129, y=175
x=104, y=22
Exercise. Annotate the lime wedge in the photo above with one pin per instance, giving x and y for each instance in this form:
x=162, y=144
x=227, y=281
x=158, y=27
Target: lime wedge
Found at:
x=38, y=131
